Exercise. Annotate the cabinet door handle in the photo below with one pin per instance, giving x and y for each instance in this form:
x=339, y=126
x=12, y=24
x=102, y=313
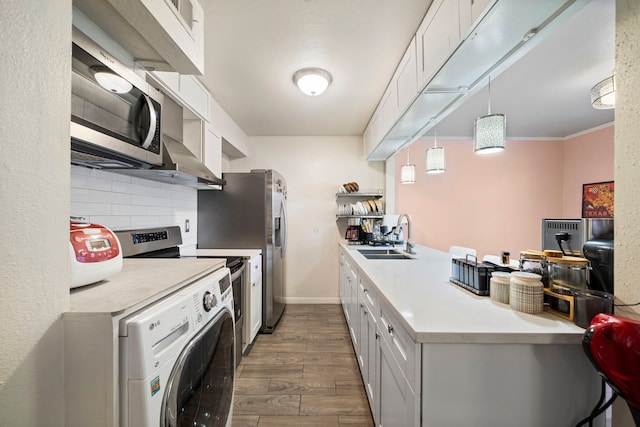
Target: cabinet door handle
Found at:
x=390, y=329
x=377, y=335
x=366, y=290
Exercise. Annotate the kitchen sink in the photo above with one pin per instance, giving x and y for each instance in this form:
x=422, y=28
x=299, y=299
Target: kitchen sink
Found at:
x=384, y=254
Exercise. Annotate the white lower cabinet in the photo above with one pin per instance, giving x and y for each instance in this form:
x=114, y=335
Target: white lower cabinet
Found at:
x=399, y=406
x=366, y=353
x=351, y=303
x=388, y=358
x=254, y=278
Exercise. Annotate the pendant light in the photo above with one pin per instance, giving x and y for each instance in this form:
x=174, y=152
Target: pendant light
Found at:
x=490, y=131
x=435, y=156
x=603, y=94
x=408, y=172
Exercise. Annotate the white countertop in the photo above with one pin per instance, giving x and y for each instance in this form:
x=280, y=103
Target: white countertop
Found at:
x=435, y=310
x=141, y=282
x=246, y=253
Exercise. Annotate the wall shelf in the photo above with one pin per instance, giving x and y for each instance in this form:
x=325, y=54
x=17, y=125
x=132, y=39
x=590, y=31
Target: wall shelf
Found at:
x=349, y=202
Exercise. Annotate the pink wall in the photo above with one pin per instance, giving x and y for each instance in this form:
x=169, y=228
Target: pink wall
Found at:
x=496, y=202
x=587, y=158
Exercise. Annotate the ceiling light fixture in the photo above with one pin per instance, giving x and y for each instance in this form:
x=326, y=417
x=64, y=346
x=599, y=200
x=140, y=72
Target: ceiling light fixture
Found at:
x=408, y=172
x=435, y=156
x=603, y=94
x=312, y=81
x=490, y=131
x=109, y=80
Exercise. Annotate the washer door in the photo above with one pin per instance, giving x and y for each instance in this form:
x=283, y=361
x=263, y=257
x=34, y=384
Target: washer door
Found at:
x=200, y=389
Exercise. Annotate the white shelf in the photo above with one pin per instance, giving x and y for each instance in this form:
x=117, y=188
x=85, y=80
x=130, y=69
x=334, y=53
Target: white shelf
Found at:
x=360, y=216
x=364, y=194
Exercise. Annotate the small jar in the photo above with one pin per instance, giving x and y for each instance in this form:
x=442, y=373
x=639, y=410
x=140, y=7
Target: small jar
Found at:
x=537, y=264
x=505, y=257
x=499, y=286
x=569, y=272
x=526, y=292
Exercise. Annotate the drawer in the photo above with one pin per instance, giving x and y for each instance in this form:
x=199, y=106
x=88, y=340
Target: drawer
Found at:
x=367, y=294
x=404, y=350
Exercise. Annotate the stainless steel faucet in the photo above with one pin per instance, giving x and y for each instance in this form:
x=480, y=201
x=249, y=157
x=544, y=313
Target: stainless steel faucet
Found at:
x=410, y=243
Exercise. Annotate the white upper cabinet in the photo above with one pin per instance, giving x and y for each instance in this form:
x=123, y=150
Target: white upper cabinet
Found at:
x=165, y=35
x=186, y=90
x=402, y=90
x=437, y=37
x=389, y=108
x=372, y=134
x=458, y=44
x=212, y=151
x=406, y=79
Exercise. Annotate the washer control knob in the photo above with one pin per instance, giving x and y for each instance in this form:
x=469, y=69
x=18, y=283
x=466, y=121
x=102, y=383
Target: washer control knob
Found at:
x=208, y=301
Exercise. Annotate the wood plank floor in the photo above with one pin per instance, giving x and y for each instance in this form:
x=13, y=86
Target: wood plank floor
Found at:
x=304, y=374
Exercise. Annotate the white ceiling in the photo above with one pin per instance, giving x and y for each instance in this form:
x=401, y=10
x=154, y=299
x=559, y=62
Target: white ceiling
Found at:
x=252, y=49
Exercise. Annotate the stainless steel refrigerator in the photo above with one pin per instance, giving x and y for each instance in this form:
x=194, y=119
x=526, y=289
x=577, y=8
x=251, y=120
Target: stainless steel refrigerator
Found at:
x=250, y=213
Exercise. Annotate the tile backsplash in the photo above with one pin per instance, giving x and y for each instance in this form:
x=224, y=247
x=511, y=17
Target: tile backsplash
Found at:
x=121, y=202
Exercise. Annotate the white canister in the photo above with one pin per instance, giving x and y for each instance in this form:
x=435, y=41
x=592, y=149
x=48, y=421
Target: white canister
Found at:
x=526, y=292
x=499, y=286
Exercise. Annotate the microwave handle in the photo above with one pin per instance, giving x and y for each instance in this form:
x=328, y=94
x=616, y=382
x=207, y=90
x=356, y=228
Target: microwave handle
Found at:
x=152, y=122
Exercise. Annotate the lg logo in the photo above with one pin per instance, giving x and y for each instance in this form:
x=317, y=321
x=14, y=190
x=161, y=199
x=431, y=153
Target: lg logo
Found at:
x=154, y=325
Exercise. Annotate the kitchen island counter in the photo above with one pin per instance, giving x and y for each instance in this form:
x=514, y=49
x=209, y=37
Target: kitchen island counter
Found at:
x=434, y=354
x=433, y=309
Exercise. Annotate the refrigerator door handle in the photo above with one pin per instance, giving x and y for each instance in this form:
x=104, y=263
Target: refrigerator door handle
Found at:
x=284, y=228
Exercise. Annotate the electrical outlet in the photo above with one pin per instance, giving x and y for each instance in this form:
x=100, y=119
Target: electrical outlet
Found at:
x=186, y=225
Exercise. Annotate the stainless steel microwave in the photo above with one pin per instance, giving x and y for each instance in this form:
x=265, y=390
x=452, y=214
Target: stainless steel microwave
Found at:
x=116, y=117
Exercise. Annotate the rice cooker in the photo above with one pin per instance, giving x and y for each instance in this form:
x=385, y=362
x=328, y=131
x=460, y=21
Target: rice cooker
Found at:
x=95, y=253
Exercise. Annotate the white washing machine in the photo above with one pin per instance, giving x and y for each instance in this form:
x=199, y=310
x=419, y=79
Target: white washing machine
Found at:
x=177, y=358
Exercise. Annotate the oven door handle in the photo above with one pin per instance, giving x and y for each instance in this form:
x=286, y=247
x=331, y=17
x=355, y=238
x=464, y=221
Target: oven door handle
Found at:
x=237, y=273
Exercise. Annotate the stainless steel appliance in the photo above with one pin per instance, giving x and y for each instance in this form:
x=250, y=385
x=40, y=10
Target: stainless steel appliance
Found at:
x=117, y=122
x=116, y=117
x=570, y=235
x=588, y=237
x=237, y=267
x=250, y=213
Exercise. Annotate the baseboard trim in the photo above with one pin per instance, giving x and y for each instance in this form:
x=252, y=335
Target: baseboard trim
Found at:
x=312, y=300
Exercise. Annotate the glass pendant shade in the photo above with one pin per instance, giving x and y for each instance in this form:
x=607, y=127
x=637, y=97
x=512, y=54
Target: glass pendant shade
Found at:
x=408, y=174
x=603, y=94
x=489, y=133
x=435, y=160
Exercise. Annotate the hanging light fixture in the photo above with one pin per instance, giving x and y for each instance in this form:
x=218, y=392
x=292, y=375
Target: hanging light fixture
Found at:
x=408, y=172
x=312, y=81
x=435, y=156
x=603, y=94
x=490, y=131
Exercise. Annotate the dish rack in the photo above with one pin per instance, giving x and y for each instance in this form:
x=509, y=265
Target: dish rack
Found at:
x=471, y=275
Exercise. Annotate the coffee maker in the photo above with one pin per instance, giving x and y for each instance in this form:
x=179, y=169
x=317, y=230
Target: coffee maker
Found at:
x=598, y=249
x=352, y=235
x=591, y=238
